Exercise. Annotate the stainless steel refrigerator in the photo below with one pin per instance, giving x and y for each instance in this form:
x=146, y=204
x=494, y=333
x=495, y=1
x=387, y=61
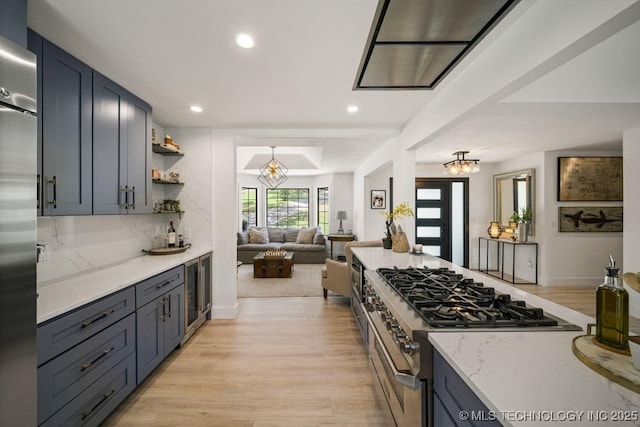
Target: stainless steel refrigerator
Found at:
x=18, y=229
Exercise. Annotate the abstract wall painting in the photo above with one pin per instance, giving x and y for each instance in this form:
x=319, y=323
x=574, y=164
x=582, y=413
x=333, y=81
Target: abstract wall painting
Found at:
x=590, y=219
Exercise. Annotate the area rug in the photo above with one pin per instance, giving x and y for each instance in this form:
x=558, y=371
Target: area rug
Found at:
x=305, y=282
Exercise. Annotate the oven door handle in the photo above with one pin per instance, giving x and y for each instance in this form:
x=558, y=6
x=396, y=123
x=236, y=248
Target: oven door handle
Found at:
x=410, y=381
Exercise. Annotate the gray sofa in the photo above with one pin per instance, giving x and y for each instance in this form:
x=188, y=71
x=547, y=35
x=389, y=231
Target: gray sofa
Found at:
x=308, y=248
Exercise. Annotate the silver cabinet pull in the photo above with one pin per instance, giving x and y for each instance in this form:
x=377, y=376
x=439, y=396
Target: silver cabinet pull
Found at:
x=104, y=398
x=162, y=316
x=54, y=202
x=103, y=354
x=102, y=316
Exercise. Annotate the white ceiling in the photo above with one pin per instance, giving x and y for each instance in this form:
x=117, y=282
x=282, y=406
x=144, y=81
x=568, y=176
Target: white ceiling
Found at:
x=292, y=89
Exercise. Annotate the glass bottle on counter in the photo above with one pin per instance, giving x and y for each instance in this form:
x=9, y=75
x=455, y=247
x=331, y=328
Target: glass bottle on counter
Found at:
x=612, y=310
x=171, y=236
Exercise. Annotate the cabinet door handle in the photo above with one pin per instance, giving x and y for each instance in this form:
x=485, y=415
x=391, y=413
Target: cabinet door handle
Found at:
x=126, y=197
x=103, y=354
x=38, y=191
x=133, y=204
x=163, y=315
x=54, y=202
x=102, y=316
x=169, y=300
x=104, y=398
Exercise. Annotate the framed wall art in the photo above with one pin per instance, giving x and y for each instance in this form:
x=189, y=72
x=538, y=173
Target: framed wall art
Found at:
x=378, y=199
x=590, y=218
x=592, y=179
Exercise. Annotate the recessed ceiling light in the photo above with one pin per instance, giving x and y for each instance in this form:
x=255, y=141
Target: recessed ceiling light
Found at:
x=244, y=40
x=196, y=109
x=352, y=109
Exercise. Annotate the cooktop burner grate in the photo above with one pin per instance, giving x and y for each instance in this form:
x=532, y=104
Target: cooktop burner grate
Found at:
x=444, y=298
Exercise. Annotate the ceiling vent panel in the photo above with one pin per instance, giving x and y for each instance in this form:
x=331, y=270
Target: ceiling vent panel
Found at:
x=413, y=44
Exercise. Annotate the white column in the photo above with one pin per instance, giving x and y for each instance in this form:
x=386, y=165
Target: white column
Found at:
x=631, y=234
x=404, y=186
x=225, y=225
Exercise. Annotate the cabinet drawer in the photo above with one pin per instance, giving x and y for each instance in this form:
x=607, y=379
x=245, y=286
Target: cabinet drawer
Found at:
x=63, y=378
x=456, y=396
x=93, y=405
x=151, y=289
x=62, y=333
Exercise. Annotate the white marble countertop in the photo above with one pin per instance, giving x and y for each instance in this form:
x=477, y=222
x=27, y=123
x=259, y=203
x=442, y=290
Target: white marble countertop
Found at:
x=533, y=379
x=528, y=378
x=59, y=296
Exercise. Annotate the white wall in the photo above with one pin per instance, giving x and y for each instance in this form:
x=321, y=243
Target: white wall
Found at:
x=631, y=240
x=225, y=224
x=373, y=220
x=572, y=258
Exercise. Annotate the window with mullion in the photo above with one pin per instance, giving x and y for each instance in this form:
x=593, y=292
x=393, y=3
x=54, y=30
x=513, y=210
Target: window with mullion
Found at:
x=249, y=207
x=287, y=207
x=323, y=209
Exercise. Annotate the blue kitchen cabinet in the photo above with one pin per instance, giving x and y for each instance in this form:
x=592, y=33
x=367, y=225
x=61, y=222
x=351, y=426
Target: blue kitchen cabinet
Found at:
x=160, y=323
x=64, y=130
x=122, y=150
x=13, y=20
x=454, y=403
x=86, y=361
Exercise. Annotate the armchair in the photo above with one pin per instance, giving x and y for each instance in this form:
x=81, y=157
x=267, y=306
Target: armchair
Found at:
x=336, y=275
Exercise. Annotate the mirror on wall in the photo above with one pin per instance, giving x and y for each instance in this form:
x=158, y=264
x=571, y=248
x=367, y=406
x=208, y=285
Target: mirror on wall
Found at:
x=513, y=192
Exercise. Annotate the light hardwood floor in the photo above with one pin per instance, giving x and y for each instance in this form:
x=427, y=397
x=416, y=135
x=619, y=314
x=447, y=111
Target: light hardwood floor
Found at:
x=282, y=362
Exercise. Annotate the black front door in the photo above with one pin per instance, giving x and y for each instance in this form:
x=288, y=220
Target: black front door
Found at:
x=442, y=217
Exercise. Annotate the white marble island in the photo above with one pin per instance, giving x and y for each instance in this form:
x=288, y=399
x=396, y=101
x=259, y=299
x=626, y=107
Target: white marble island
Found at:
x=528, y=378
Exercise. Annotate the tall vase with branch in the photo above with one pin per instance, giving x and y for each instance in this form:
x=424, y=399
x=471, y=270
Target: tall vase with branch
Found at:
x=394, y=229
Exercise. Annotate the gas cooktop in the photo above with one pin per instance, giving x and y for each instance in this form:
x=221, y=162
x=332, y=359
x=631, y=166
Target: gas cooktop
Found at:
x=445, y=299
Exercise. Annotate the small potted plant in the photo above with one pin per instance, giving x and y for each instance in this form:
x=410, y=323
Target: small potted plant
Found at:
x=171, y=205
x=398, y=237
x=514, y=219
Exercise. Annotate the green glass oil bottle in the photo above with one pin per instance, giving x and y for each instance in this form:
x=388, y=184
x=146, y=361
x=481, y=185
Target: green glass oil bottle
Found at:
x=612, y=310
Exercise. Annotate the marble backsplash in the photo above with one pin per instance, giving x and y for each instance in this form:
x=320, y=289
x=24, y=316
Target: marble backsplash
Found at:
x=75, y=244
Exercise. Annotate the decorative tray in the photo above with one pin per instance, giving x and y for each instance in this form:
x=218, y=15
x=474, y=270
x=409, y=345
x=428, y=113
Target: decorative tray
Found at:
x=615, y=365
x=167, y=251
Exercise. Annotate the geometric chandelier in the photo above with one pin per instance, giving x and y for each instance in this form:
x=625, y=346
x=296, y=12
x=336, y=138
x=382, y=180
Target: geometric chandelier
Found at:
x=461, y=166
x=273, y=173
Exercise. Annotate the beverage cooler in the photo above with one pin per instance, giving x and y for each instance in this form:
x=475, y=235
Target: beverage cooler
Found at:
x=197, y=283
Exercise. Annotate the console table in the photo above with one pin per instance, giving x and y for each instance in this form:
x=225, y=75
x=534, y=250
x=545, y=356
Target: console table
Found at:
x=339, y=238
x=515, y=253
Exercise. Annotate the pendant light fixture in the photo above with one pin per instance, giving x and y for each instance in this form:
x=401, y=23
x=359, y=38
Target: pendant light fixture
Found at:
x=461, y=166
x=273, y=173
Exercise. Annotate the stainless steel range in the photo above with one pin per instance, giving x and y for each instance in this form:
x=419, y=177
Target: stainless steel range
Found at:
x=402, y=306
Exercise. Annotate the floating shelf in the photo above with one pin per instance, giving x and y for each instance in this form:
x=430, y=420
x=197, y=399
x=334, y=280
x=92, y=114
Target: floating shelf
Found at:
x=170, y=212
x=165, y=181
x=165, y=150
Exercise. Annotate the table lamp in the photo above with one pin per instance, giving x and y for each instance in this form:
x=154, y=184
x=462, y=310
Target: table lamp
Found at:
x=341, y=215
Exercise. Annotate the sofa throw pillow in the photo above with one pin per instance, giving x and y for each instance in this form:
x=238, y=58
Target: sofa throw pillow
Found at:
x=291, y=235
x=305, y=235
x=318, y=239
x=243, y=238
x=259, y=236
x=276, y=234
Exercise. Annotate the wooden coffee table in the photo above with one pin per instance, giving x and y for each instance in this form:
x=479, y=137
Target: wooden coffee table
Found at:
x=266, y=267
